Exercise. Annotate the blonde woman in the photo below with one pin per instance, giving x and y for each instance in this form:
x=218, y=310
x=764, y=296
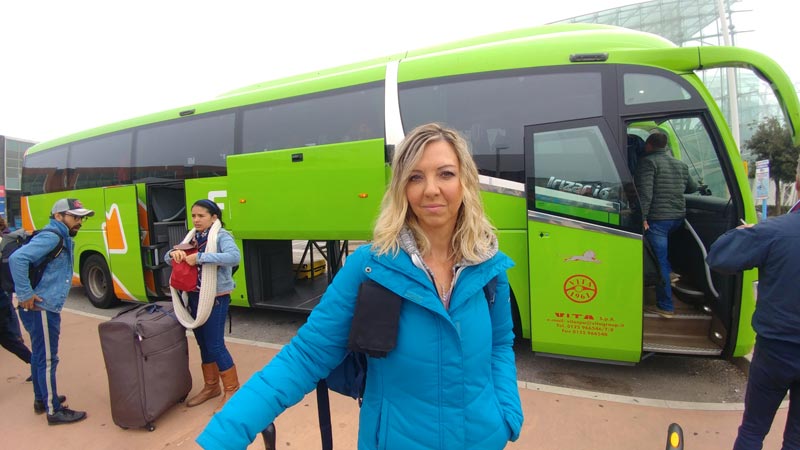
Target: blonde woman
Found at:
x=450, y=381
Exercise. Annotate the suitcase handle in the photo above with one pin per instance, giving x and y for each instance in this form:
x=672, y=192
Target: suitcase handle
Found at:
x=151, y=308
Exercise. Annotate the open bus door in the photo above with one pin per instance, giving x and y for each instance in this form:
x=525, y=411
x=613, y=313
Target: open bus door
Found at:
x=738, y=339
x=585, y=264
x=162, y=219
x=119, y=275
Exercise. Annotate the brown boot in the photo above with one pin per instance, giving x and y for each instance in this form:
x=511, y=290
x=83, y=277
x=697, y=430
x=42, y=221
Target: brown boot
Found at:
x=211, y=388
x=230, y=383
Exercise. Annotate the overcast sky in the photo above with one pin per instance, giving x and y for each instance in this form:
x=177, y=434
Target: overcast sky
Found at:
x=72, y=65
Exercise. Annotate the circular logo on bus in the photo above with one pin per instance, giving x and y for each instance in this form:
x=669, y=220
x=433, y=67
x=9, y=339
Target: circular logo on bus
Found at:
x=580, y=289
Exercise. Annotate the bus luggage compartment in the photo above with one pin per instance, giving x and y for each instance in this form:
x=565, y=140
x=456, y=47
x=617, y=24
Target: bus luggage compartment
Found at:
x=319, y=192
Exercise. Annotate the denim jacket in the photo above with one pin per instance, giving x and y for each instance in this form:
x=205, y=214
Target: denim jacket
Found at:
x=57, y=278
x=226, y=258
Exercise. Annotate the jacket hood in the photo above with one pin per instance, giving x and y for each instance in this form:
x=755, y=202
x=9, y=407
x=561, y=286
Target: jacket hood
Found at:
x=405, y=274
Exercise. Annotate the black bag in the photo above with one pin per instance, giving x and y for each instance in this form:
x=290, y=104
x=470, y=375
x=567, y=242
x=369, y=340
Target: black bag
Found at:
x=13, y=242
x=373, y=332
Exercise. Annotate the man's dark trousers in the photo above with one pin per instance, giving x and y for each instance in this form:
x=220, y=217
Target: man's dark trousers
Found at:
x=45, y=329
x=775, y=369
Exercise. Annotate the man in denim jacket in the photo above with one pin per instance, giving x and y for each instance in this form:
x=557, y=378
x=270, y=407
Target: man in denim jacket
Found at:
x=41, y=306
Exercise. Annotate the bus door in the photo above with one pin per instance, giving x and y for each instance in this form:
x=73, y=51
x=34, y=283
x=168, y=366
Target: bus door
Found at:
x=122, y=277
x=162, y=219
x=585, y=255
x=703, y=300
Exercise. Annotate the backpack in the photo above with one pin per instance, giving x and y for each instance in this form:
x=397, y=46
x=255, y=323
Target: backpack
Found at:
x=374, y=322
x=14, y=241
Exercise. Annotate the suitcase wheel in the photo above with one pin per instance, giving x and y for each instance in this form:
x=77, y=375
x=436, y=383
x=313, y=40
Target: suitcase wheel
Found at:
x=150, y=426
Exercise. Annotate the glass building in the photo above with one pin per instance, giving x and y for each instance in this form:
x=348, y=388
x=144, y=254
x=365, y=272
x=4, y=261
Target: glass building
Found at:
x=11, y=151
x=698, y=22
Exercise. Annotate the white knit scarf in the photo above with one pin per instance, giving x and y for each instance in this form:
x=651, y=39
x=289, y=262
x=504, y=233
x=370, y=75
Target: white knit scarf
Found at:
x=208, y=285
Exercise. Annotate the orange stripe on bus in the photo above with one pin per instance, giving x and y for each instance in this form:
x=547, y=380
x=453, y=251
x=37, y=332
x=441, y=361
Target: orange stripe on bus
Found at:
x=119, y=291
x=114, y=231
x=27, y=222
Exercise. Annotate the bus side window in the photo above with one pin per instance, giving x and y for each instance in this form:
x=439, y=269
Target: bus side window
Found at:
x=574, y=175
x=56, y=181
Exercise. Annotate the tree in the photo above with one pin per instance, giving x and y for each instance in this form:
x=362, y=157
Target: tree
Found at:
x=773, y=141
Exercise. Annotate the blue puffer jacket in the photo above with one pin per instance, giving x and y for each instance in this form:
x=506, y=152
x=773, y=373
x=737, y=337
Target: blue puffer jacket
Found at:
x=57, y=278
x=449, y=384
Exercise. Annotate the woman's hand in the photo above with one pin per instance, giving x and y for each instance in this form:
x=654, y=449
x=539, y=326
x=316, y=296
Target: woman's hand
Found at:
x=178, y=255
x=191, y=259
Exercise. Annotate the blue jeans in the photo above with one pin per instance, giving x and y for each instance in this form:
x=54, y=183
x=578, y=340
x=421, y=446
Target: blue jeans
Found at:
x=44, y=328
x=211, y=335
x=658, y=236
x=775, y=369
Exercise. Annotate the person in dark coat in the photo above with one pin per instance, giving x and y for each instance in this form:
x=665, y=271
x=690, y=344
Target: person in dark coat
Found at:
x=661, y=180
x=774, y=248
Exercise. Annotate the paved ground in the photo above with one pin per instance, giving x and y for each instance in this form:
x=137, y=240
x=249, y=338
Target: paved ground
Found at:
x=554, y=418
x=679, y=378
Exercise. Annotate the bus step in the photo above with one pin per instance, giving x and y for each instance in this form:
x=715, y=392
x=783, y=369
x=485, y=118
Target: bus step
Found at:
x=681, y=324
x=687, y=345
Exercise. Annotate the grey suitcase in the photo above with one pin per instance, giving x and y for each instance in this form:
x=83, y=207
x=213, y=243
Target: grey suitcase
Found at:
x=147, y=361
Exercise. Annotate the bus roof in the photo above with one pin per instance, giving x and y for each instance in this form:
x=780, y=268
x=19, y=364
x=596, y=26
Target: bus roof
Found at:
x=530, y=47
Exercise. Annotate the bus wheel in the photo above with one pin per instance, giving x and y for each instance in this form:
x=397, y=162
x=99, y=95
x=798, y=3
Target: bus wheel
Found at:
x=96, y=280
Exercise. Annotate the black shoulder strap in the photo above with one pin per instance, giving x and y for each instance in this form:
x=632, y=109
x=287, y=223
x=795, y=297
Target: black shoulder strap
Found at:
x=490, y=290
x=57, y=249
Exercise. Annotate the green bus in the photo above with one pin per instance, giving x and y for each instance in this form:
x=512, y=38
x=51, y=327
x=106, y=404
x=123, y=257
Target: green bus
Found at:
x=553, y=115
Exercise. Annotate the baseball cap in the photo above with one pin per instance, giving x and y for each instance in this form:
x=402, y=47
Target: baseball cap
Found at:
x=71, y=206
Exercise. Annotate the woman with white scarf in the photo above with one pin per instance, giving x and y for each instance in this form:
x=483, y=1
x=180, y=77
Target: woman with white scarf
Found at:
x=205, y=308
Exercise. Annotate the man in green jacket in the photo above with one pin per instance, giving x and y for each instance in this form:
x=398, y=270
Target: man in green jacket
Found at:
x=661, y=180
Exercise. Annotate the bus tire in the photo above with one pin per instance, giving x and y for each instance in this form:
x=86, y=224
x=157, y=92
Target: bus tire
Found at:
x=96, y=280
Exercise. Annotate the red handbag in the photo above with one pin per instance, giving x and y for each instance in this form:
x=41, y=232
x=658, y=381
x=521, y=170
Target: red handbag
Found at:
x=184, y=276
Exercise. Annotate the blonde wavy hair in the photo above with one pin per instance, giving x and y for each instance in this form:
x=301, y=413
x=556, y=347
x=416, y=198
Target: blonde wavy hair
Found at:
x=473, y=236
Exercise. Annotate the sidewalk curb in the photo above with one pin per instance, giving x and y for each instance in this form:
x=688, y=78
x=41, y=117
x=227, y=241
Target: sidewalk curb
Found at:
x=743, y=363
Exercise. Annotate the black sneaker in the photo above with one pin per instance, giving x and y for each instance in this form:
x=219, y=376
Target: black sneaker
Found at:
x=38, y=405
x=65, y=415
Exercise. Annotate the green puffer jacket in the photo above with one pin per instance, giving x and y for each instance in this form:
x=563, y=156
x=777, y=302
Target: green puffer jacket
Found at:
x=661, y=181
